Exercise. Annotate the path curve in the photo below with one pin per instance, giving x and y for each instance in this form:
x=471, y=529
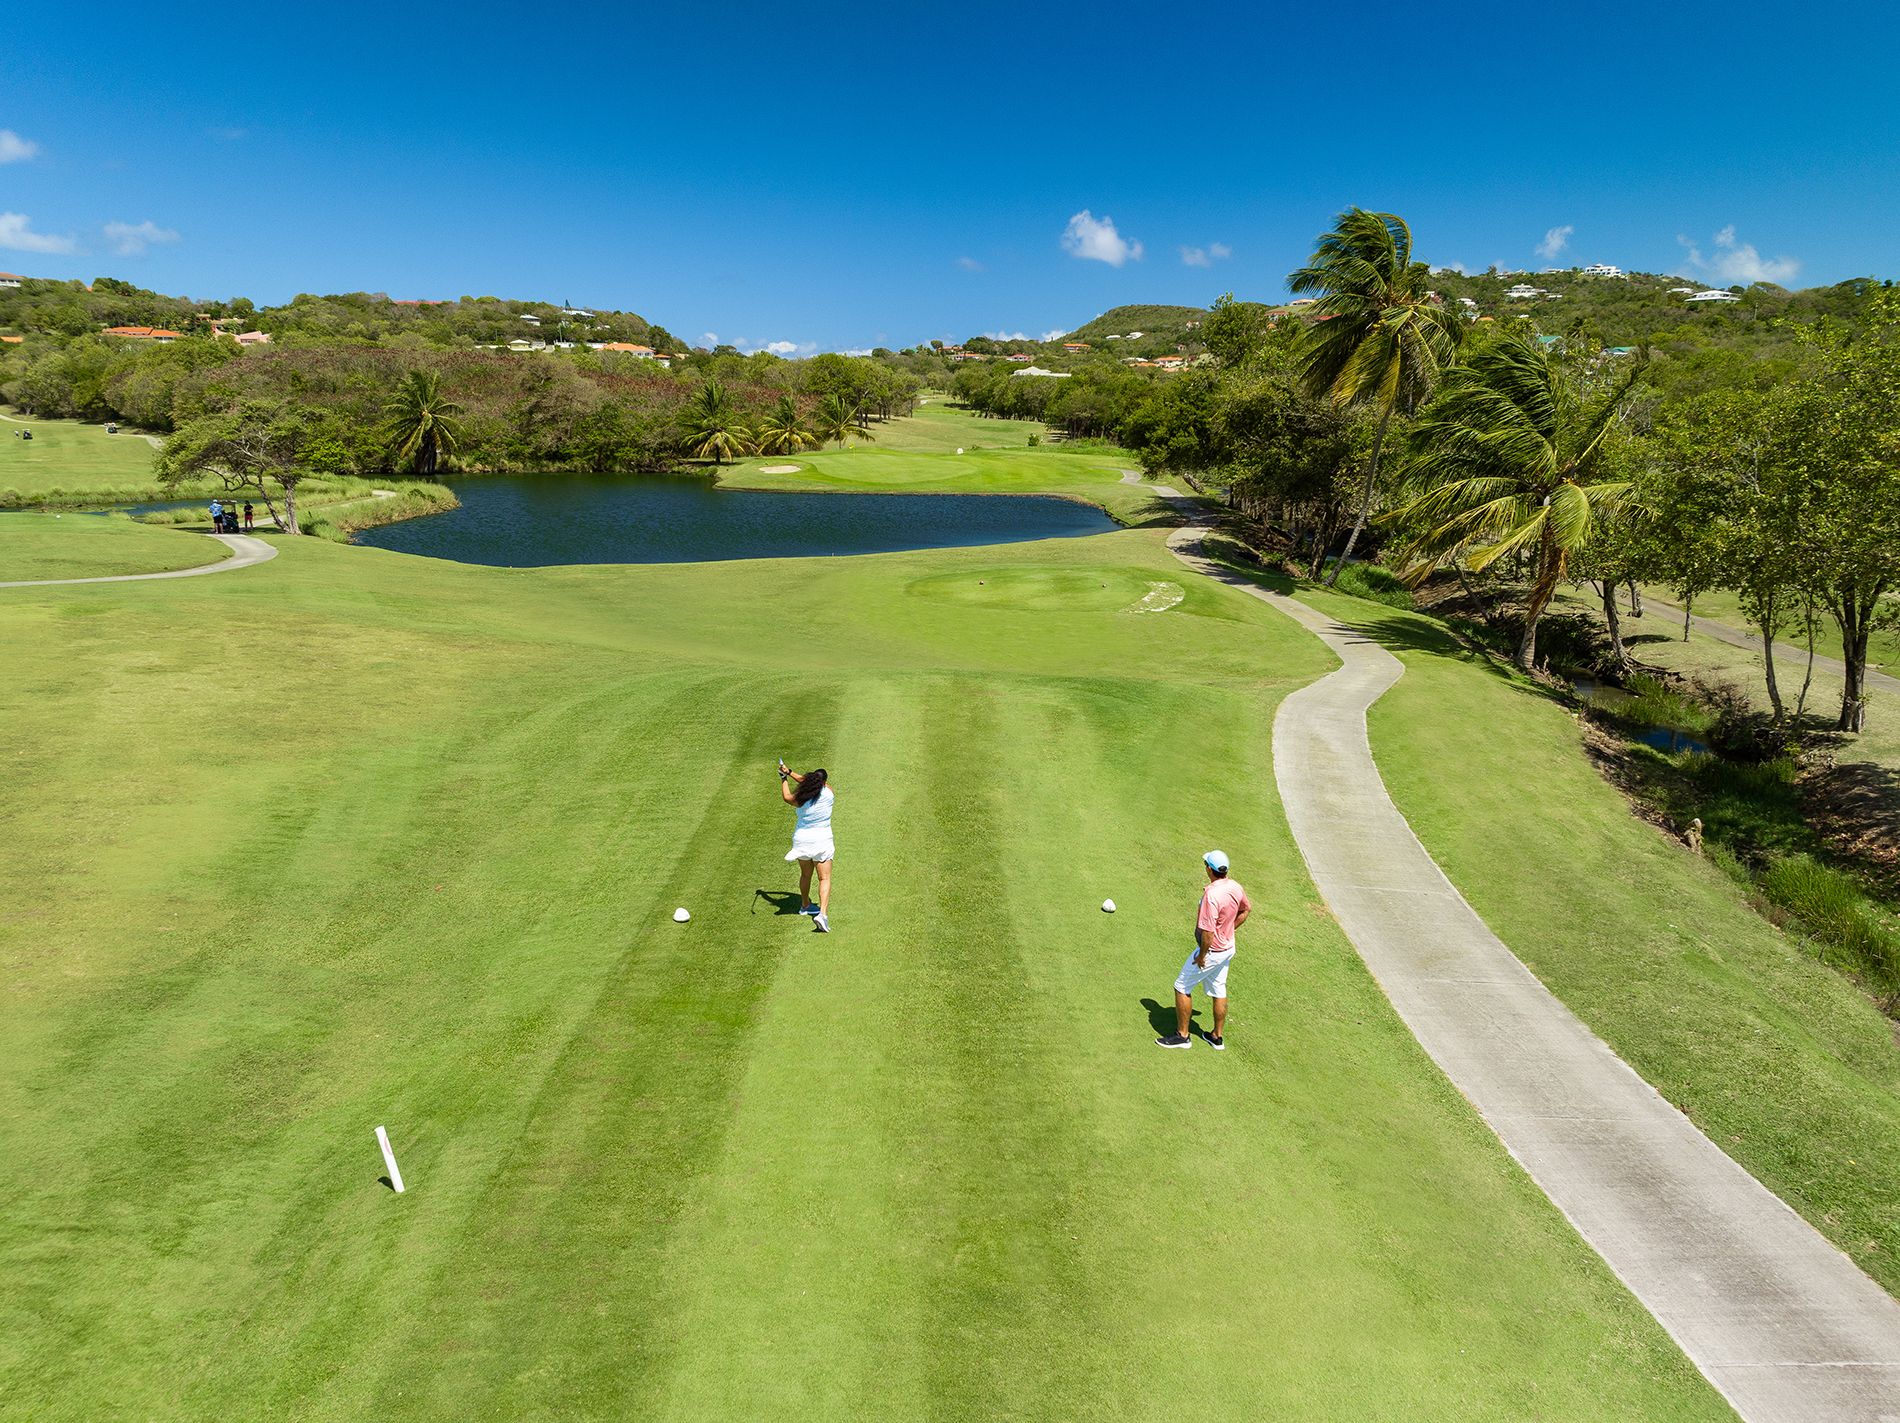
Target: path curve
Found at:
x=1785, y=1326
x=1785, y=652
x=245, y=551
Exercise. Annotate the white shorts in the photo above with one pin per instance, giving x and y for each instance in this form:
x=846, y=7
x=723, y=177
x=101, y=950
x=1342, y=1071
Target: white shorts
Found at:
x=1213, y=978
x=811, y=847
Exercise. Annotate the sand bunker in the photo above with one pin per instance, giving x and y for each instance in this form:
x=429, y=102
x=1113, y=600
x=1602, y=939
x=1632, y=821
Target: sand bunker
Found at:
x=778, y=469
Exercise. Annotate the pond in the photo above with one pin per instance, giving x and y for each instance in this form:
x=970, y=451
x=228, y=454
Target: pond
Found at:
x=1616, y=702
x=529, y=521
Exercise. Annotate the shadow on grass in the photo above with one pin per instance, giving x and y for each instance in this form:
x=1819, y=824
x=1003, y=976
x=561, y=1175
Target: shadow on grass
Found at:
x=783, y=901
x=1161, y=1019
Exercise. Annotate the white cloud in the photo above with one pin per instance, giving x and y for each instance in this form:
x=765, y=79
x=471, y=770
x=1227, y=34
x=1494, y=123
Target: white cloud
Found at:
x=709, y=338
x=16, y=232
x=1096, y=240
x=969, y=264
x=1555, y=241
x=14, y=149
x=857, y=350
x=1737, y=263
x=781, y=348
x=1005, y=336
x=1458, y=267
x=1053, y=335
x=1206, y=256
x=130, y=239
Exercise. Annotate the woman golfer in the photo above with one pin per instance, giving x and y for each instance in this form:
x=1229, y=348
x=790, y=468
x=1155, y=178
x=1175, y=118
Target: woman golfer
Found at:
x=810, y=796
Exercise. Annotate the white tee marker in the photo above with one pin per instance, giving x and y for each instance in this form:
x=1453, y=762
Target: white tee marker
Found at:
x=680, y=916
x=389, y=1160
x=1108, y=906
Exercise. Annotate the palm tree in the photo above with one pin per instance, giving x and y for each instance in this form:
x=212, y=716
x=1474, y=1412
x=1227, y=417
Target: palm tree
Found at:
x=841, y=421
x=1378, y=339
x=711, y=428
x=420, y=422
x=784, y=431
x=1511, y=456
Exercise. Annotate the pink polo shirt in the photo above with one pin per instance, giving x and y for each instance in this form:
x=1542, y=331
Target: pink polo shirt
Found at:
x=1221, y=904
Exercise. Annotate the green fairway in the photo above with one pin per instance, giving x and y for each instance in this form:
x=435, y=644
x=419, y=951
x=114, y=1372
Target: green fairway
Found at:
x=919, y=454
x=66, y=458
x=406, y=853
x=89, y=546
x=1779, y=1059
x=1722, y=606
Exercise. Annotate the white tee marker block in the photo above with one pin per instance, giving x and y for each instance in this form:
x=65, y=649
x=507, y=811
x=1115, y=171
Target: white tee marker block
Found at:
x=1108, y=906
x=680, y=916
x=389, y=1160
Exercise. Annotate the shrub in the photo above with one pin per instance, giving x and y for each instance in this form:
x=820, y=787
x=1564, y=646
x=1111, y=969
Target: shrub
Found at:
x=1831, y=907
x=1654, y=702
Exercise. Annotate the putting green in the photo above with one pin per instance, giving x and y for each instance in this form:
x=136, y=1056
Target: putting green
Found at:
x=405, y=852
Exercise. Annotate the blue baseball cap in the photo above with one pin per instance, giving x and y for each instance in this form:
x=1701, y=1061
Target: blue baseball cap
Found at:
x=1215, y=859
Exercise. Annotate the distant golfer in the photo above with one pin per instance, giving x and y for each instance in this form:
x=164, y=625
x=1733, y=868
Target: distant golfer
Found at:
x=810, y=795
x=217, y=516
x=1224, y=908
x=250, y=516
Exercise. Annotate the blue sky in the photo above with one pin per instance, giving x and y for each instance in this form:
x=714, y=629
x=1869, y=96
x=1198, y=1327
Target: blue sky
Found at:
x=837, y=176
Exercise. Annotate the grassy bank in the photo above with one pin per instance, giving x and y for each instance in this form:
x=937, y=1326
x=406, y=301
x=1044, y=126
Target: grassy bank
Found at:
x=94, y=546
x=74, y=464
x=929, y=1166
x=1786, y=1065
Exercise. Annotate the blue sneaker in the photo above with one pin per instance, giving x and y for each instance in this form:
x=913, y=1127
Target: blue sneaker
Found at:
x=809, y=909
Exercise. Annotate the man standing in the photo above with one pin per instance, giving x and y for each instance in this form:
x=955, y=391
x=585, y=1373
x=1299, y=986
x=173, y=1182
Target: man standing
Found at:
x=217, y=517
x=1224, y=908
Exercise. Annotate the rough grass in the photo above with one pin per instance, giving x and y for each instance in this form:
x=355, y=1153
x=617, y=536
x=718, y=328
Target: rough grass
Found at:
x=405, y=852
x=94, y=546
x=1785, y=1063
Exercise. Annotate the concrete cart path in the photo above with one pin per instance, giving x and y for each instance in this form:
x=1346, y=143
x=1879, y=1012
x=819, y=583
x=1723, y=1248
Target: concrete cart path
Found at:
x=245, y=551
x=1781, y=1322
x=1787, y=655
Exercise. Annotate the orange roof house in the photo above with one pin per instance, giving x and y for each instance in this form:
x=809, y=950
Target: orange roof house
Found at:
x=141, y=333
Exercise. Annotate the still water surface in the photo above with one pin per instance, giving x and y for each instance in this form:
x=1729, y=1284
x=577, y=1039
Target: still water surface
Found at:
x=527, y=521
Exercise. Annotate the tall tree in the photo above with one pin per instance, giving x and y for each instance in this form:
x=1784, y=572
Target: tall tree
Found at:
x=711, y=426
x=840, y=421
x=1378, y=336
x=257, y=447
x=784, y=431
x=1512, y=455
x=421, y=423
x=1843, y=437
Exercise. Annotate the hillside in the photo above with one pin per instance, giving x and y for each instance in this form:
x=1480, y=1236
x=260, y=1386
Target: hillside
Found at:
x=1171, y=322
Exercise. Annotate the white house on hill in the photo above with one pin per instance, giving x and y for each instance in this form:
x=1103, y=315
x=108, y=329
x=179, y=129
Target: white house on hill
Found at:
x=1602, y=269
x=1038, y=371
x=1713, y=296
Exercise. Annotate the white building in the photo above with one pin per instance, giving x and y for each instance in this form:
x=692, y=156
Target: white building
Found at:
x=531, y=320
x=1039, y=371
x=1523, y=291
x=1602, y=269
x=10, y=279
x=1713, y=296
x=1682, y=291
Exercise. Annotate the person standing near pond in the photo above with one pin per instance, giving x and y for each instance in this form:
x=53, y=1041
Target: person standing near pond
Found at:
x=1224, y=908
x=217, y=516
x=249, y=515
x=810, y=797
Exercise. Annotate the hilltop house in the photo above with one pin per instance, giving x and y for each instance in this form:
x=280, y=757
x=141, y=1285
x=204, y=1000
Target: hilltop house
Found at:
x=1075, y=345
x=10, y=279
x=1713, y=296
x=1171, y=362
x=141, y=333
x=1602, y=269
x=644, y=353
x=1523, y=291
x=1682, y=291
x=1039, y=371
x=252, y=338
x=1018, y=356
x=531, y=320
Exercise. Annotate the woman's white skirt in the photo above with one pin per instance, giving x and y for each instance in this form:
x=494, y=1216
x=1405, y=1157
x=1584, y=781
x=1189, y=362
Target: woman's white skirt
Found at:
x=810, y=845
